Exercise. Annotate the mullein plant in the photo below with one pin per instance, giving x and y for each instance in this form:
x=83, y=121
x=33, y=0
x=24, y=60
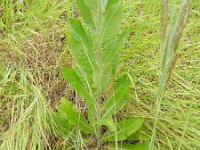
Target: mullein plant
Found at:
x=94, y=42
x=170, y=38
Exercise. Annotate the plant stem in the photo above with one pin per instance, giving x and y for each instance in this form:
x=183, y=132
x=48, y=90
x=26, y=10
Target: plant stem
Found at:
x=98, y=48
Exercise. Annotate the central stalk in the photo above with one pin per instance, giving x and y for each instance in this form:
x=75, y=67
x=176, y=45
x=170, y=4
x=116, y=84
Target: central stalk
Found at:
x=98, y=52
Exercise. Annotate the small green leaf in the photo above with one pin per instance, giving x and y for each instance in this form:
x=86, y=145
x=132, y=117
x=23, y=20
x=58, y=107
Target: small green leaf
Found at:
x=109, y=123
x=82, y=90
x=86, y=13
x=91, y=4
x=143, y=134
x=74, y=116
x=116, y=100
x=112, y=21
x=140, y=146
x=125, y=128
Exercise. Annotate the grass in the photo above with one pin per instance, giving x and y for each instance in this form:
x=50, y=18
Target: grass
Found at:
x=33, y=47
x=24, y=112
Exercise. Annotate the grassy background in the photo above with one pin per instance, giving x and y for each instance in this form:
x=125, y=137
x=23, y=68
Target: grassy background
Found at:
x=34, y=45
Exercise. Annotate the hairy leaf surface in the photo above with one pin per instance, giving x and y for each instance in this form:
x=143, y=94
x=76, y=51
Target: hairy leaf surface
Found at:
x=116, y=100
x=75, y=81
x=91, y=4
x=111, y=2
x=82, y=50
x=104, y=72
x=85, y=12
x=112, y=21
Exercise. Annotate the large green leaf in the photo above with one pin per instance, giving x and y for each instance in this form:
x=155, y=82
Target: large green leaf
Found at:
x=112, y=21
x=74, y=117
x=106, y=70
x=79, y=33
x=102, y=75
x=110, y=52
x=91, y=3
x=116, y=100
x=140, y=146
x=74, y=80
x=83, y=62
x=125, y=128
x=82, y=50
x=86, y=13
x=109, y=59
